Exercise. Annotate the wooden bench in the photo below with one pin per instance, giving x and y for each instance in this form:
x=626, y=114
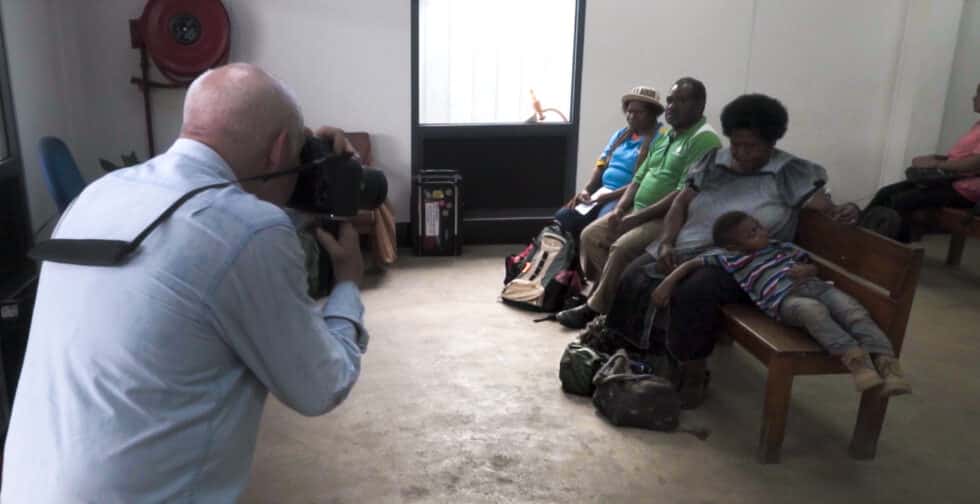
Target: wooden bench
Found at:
x=880, y=273
x=955, y=222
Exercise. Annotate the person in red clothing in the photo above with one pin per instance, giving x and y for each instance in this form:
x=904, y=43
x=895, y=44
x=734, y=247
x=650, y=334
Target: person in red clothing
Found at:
x=934, y=181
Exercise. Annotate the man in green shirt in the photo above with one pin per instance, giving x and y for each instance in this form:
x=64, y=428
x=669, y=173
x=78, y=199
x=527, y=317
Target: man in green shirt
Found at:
x=611, y=242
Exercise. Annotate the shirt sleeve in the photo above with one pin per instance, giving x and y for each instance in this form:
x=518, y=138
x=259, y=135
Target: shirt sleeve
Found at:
x=308, y=356
x=797, y=180
x=718, y=256
x=607, y=152
x=697, y=150
x=696, y=175
x=712, y=259
x=643, y=167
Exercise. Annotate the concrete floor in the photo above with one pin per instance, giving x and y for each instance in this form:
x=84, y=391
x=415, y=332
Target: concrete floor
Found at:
x=459, y=401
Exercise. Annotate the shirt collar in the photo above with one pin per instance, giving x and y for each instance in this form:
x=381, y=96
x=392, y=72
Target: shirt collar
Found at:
x=688, y=132
x=776, y=160
x=203, y=153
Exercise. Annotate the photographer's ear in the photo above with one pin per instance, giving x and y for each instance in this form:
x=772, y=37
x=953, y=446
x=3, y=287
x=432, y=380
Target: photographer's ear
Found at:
x=280, y=156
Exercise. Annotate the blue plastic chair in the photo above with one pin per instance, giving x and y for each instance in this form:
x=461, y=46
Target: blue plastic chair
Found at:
x=61, y=174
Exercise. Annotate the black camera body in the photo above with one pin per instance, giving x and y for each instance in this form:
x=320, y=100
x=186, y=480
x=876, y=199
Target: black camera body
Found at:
x=335, y=184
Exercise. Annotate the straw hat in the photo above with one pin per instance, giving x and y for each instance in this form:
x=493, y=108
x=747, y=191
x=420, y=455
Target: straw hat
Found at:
x=643, y=94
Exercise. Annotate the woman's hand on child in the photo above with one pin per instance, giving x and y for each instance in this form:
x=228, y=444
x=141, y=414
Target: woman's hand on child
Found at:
x=661, y=295
x=847, y=213
x=800, y=272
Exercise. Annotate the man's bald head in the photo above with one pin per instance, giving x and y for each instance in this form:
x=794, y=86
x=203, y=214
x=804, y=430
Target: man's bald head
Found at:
x=239, y=110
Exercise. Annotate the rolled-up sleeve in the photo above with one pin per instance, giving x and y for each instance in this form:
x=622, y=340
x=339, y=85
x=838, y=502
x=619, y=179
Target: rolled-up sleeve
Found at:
x=344, y=313
x=308, y=356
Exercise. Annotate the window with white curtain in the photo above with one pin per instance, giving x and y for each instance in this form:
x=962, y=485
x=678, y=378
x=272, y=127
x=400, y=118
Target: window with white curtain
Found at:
x=485, y=61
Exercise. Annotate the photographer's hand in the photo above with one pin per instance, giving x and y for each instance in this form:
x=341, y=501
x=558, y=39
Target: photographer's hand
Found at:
x=345, y=253
x=337, y=138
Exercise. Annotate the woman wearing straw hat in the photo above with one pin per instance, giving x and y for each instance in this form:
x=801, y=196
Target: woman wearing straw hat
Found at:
x=615, y=166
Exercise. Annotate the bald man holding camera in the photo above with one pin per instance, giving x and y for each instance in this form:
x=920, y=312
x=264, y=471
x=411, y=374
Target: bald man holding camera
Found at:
x=145, y=382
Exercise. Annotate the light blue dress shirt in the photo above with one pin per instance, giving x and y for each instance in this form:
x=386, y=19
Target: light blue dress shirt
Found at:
x=146, y=382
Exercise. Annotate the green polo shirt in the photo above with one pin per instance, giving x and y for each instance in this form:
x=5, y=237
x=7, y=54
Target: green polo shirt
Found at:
x=665, y=167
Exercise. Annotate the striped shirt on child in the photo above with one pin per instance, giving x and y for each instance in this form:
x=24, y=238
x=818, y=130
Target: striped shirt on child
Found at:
x=761, y=274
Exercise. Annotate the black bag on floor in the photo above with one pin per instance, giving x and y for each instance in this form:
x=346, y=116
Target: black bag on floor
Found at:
x=578, y=366
x=545, y=274
x=635, y=400
x=646, y=401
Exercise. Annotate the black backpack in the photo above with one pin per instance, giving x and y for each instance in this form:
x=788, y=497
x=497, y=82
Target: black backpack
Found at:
x=546, y=274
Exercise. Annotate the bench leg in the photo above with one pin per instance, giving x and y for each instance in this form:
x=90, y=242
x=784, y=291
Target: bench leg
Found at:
x=871, y=416
x=779, y=385
x=955, y=254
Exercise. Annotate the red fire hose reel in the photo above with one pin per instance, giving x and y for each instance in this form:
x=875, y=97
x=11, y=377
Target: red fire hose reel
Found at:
x=184, y=38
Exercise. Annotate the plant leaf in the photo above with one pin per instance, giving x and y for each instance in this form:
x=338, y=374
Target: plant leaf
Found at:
x=107, y=166
x=130, y=159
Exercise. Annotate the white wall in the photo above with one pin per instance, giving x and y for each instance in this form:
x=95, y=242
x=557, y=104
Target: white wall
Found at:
x=862, y=79
x=628, y=43
x=963, y=83
x=922, y=72
x=837, y=74
x=348, y=62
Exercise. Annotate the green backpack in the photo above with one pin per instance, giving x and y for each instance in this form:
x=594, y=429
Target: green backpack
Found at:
x=579, y=364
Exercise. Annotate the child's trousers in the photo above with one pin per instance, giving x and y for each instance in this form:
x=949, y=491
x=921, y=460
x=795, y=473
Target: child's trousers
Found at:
x=836, y=320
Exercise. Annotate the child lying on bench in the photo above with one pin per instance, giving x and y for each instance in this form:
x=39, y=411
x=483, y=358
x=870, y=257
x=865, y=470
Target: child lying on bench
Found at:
x=780, y=279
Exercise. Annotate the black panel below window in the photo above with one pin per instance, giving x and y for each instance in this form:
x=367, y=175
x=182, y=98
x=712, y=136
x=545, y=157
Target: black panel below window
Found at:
x=503, y=175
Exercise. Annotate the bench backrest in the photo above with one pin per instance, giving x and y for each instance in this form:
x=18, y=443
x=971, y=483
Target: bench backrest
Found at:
x=880, y=273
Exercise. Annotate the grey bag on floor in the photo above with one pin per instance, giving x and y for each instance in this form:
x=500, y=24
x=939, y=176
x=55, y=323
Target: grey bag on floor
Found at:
x=637, y=400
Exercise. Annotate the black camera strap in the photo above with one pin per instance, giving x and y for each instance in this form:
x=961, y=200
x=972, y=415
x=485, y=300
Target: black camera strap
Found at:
x=93, y=252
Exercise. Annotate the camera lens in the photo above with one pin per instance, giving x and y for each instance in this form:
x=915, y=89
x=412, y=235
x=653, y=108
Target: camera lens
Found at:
x=374, y=189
